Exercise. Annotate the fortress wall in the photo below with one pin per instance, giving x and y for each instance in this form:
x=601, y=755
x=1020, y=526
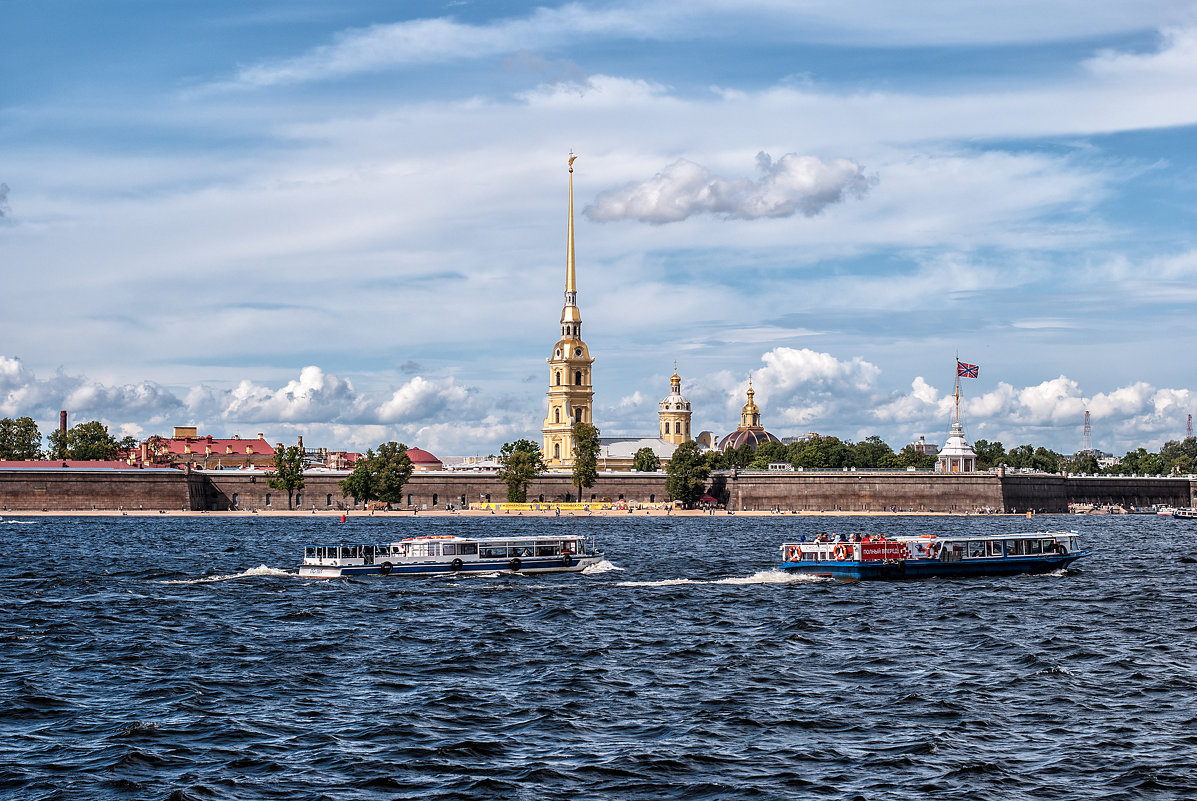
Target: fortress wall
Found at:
x=851, y=491
x=76, y=489
x=857, y=491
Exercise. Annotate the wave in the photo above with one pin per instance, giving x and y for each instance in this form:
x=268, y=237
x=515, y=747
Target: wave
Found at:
x=602, y=566
x=19, y=522
x=762, y=577
x=260, y=570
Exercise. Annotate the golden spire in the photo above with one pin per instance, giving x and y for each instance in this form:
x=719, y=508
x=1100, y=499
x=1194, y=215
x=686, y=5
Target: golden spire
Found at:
x=571, y=288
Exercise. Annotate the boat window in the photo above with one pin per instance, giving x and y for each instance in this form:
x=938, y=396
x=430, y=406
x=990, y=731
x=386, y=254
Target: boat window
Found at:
x=522, y=548
x=1014, y=548
x=492, y=551
x=309, y=553
x=995, y=547
x=423, y=549
x=548, y=548
x=1036, y=546
x=449, y=549
x=976, y=548
x=464, y=548
x=571, y=546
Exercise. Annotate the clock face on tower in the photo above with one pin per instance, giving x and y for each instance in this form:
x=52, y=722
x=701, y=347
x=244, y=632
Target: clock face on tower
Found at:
x=577, y=351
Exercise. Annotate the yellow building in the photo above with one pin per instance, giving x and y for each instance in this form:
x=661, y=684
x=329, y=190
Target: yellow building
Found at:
x=571, y=394
x=675, y=413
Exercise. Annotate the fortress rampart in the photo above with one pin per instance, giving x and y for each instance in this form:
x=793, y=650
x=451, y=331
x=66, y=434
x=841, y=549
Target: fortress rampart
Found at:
x=75, y=489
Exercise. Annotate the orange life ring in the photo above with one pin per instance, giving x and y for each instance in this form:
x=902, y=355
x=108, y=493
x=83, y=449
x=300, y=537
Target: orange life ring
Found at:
x=841, y=552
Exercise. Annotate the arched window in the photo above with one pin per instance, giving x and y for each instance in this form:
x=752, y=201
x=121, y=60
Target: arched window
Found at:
x=677, y=427
x=578, y=415
x=434, y=500
x=578, y=378
x=558, y=378
x=328, y=499
x=666, y=427
x=235, y=496
x=268, y=499
x=556, y=450
x=556, y=415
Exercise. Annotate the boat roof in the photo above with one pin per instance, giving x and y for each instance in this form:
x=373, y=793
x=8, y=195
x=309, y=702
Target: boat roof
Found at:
x=1024, y=535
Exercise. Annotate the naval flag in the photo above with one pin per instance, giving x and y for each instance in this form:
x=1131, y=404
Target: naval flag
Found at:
x=966, y=370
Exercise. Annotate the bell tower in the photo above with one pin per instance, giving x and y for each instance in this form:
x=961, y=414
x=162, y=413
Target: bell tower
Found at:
x=675, y=412
x=571, y=394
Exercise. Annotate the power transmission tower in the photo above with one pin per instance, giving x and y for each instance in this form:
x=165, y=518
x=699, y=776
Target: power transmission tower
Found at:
x=1087, y=442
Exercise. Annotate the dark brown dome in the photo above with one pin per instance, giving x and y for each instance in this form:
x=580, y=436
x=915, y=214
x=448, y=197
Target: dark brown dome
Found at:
x=746, y=436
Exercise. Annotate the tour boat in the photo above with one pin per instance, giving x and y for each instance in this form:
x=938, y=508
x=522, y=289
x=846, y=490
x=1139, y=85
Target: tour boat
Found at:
x=1185, y=513
x=1166, y=511
x=877, y=557
x=449, y=554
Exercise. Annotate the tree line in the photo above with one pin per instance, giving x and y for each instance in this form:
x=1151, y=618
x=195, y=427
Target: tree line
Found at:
x=20, y=440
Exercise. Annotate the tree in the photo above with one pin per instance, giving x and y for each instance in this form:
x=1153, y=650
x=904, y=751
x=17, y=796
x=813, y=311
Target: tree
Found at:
x=86, y=442
x=989, y=454
x=392, y=468
x=909, y=457
x=871, y=452
x=288, y=472
x=361, y=482
x=586, y=452
x=19, y=439
x=520, y=462
x=646, y=461
x=687, y=474
x=157, y=449
x=1180, y=457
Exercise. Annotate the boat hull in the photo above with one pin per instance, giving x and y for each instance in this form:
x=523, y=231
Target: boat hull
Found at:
x=553, y=564
x=926, y=568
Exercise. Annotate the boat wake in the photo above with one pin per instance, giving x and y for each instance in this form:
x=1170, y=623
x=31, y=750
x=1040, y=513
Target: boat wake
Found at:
x=18, y=522
x=602, y=566
x=763, y=577
x=260, y=570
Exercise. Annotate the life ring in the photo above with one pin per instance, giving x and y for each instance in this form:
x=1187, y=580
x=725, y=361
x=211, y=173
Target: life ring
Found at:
x=515, y=565
x=841, y=552
x=567, y=561
x=456, y=565
x=386, y=568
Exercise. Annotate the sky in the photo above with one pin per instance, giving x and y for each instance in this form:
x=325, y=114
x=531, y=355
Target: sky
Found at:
x=347, y=220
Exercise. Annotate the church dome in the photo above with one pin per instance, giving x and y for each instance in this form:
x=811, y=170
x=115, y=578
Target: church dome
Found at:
x=750, y=432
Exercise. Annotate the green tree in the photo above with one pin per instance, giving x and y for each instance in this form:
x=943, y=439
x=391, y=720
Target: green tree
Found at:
x=1180, y=457
x=157, y=449
x=870, y=452
x=767, y=453
x=822, y=452
x=646, y=461
x=989, y=454
x=586, y=452
x=19, y=439
x=686, y=474
x=909, y=457
x=392, y=468
x=1085, y=463
x=520, y=462
x=288, y=472
x=86, y=442
x=361, y=482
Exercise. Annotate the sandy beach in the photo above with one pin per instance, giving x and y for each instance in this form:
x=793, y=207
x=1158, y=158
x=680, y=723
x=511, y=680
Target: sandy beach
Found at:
x=615, y=513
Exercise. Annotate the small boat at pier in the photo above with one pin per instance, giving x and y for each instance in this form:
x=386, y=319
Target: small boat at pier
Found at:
x=901, y=557
x=449, y=554
x=1185, y=513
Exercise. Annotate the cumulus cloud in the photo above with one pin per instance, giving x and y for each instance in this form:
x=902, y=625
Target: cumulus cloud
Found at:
x=791, y=185
x=422, y=399
x=22, y=393
x=314, y=396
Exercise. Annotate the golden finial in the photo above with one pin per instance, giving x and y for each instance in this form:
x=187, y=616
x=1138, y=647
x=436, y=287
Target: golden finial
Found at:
x=571, y=159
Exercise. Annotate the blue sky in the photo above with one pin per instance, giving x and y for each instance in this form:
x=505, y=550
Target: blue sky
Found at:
x=347, y=220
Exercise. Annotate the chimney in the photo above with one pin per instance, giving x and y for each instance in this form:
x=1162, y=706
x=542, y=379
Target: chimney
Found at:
x=262, y=437
x=301, y=442
x=62, y=421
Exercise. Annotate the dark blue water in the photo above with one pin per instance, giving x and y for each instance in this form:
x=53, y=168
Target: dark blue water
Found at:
x=156, y=658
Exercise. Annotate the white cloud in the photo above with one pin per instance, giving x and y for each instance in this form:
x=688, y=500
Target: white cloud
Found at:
x=313, y=397
x=422, y=399
x=792, y=185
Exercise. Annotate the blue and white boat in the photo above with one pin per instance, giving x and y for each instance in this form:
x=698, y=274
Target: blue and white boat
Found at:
x=901, y=557
x=448, y=554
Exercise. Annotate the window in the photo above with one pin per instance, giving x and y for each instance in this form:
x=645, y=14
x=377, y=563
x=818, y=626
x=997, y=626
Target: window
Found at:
x=235, y=499
x=409, y=499
x=556, y=450
x=578, y=415
x=434, y=499
x=1014, y=548
x=677, y=427
x=449, y=549
x=492, y=551
x=328, y=499
x=268, y=499
x=556, y=415
x=1035, y=547
x=578, y=378
x=652, y=498
x=976, y=549
x=558, y=377
x=548, y=549
x=465, y=548
x=995, y=547
x=299, y=499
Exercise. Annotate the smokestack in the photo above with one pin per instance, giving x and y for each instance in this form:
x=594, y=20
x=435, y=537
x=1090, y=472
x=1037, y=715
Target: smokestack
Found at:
x=62, y=421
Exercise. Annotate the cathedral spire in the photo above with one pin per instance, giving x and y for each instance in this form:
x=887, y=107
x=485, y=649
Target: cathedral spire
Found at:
x=571, y=284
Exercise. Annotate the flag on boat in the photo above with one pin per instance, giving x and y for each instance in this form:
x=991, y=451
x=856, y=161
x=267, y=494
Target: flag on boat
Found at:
x=966, y=370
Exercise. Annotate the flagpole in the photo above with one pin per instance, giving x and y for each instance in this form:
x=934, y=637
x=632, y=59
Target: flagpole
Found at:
x=957, y=387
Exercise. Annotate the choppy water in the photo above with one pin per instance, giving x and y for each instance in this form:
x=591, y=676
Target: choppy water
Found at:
x=156, y=658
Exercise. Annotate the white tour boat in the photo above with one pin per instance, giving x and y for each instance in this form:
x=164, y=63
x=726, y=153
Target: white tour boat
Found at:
x=448, y=554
